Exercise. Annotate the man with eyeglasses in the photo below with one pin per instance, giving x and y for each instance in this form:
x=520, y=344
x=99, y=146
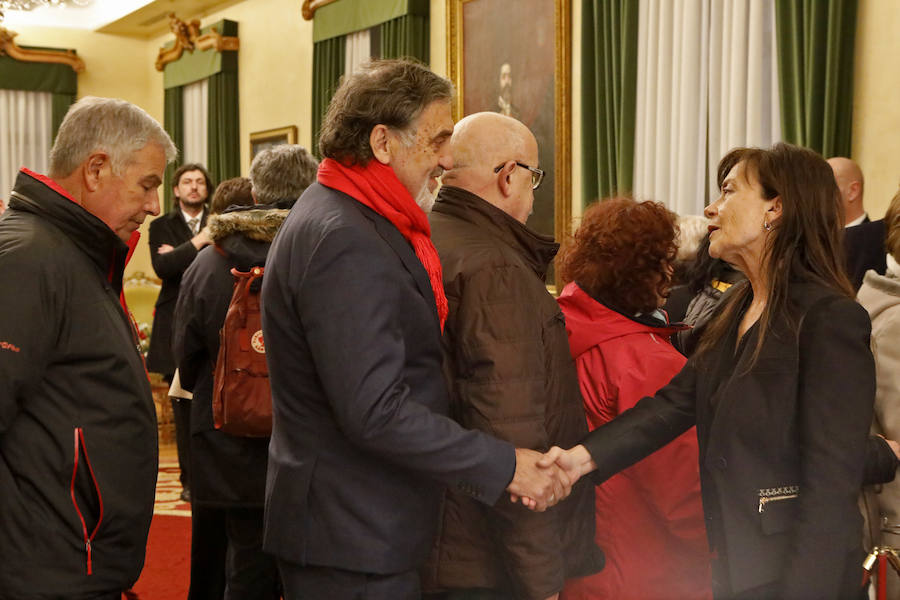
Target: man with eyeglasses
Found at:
x=508, y=369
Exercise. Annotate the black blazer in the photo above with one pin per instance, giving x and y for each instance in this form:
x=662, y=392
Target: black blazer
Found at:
x=864, y=245
x=171, y=229
x=361, y=444
x=781, y=447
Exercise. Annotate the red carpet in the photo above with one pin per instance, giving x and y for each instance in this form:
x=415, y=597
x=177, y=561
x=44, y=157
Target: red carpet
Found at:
x=166, y=573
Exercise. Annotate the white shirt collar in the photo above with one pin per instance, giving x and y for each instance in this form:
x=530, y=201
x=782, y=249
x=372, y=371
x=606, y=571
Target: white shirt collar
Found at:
x=857, y=221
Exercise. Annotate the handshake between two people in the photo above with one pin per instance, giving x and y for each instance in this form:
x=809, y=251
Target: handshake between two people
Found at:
x=542, y=480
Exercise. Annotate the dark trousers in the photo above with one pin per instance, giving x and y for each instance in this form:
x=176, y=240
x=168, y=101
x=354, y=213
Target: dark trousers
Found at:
x=250, y=573
x=209, y=546
x=318, y=583
x=227, y=560
x=181, y=413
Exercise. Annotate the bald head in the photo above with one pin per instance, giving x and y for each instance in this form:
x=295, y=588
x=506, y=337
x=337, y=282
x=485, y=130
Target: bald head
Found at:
x=484, y=141
x=849, y=180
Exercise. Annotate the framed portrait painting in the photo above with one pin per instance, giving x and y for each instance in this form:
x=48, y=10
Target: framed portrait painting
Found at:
x=262, y=140
x=514, y=57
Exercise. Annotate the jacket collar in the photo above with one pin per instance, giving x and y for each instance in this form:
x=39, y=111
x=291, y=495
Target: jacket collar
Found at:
x=32, y=193
x=245, y=233
x=590, y=321
x=537, y=249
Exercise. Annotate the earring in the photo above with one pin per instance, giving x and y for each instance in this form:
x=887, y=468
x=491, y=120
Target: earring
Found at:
x=766, y=225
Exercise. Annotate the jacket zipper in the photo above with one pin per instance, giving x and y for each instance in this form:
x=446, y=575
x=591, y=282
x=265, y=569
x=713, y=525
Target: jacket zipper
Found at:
x=777, y=494
x=79, y=447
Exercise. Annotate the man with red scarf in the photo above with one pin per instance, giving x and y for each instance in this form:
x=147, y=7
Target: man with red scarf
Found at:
x=353, y=308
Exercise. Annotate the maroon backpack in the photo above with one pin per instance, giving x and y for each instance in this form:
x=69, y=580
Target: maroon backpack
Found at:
x=242, y=400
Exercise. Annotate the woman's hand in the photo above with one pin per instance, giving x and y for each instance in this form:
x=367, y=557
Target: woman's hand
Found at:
x=575, y=462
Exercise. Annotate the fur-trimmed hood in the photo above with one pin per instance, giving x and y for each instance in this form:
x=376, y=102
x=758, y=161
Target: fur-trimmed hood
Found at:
x=259, y=224
x=244, y=234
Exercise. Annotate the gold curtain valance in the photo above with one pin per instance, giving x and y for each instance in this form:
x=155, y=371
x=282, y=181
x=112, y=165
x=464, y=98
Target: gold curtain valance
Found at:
x=62, y=57
x=188, y=37
x=311, y=6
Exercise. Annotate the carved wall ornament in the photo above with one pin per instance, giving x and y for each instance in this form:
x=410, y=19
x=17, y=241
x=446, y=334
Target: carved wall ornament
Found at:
x=310, y=7
x=63, y=57
x=187, y=37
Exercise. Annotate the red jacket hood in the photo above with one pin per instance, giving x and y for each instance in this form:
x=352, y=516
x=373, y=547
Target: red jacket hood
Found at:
x=589, y=322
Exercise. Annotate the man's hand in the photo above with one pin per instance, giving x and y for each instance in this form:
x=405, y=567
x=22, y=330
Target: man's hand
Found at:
x=575, y=462
x=165, y=248
x=202, y=239
x=537, y=487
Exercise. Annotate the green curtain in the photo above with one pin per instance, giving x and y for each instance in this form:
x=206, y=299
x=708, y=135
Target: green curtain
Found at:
x=609, y=30
x=60, y=80
x=815, y=67
x=328, y=66
x=173, y=123
x=59, y=106
x=406, y=36
x=342, y=18
x=223, y=131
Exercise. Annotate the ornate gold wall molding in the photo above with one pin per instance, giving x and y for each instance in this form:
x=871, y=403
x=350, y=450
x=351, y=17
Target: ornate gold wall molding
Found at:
x=311, y=6
x=187, y=37
x=63, y=57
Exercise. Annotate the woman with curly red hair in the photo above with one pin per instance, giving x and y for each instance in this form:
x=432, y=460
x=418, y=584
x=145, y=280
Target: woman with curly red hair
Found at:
x=649, y=518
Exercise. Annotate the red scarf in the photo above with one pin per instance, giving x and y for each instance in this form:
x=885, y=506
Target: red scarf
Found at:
x=376, y=185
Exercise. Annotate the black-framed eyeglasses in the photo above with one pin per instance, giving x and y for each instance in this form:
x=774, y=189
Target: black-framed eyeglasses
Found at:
x=537, y=175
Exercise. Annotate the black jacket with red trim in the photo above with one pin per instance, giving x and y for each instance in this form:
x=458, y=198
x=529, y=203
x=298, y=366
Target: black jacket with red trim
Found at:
x=78, y=447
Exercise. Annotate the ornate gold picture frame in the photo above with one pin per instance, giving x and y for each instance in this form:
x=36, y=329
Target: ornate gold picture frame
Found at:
x=262, y=140
x=515, y=58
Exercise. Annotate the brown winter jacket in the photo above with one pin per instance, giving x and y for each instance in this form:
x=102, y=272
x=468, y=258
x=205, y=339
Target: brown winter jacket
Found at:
x=510, y=374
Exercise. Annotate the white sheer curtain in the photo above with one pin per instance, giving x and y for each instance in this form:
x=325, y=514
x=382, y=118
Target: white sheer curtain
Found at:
x=357, y=50
x=25, y=129
x=195, y=101
x=706, y=82
x=743, y=79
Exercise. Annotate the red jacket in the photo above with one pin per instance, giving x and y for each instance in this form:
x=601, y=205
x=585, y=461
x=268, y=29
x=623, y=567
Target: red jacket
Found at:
x=649, y=517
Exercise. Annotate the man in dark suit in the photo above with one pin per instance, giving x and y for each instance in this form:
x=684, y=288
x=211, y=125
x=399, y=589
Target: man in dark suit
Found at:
x=175, y=239
x=863, y=239
x=353, y=307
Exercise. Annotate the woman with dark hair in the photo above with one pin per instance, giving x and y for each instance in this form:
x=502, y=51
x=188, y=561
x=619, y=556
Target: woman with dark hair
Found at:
x=781, y=390
x=649, y=518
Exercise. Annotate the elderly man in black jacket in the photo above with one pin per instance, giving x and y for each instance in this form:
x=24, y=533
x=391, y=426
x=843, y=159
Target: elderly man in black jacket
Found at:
x=514, y=378
x=78, y=447
x=353, y=307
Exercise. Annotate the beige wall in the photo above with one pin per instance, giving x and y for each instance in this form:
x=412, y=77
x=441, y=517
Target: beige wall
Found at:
x=274, y=78
x=114, y=65
x=876, y=101
x=274, y=67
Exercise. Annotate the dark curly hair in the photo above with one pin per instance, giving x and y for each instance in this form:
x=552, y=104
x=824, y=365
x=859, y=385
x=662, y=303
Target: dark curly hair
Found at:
x=621, y=253
x=386, y=92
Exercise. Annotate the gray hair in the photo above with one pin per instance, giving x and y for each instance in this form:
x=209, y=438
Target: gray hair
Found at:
x=110, y=125
x=387, y=92
x=282, y=173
